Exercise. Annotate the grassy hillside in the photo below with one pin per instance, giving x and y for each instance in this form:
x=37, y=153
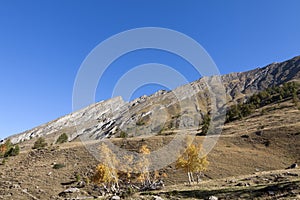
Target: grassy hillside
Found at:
x=250, y=148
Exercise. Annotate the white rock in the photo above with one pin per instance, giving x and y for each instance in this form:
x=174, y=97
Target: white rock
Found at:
x=213, y=198
x=72, y=190
x=157, y=198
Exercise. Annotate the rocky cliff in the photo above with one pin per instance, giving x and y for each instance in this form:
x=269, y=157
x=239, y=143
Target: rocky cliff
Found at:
x=164, y=111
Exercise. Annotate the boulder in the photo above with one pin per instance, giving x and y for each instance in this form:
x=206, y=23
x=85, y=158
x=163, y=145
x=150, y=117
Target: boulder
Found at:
x=293, y=166
x=212, y=198
x=115, y=197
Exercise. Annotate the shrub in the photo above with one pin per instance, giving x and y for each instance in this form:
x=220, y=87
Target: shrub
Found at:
x=62, y=138
x=5, y=147
x=4, y=161
x=129, y=192
x=87, y=180
x=40, y=143
x=140, y=123
x=58, y=166
x=104, y=174
x=13, y=151
x=123, y=134
x=205, y=124
x=271, y=95
x=8, y=149
x=77, y=177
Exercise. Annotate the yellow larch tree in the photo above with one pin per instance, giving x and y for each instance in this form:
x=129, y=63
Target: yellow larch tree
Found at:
x=191, y=162
x=106, y=172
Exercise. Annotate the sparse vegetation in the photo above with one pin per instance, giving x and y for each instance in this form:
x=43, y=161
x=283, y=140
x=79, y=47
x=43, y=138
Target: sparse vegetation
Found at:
x=13, y=151
x=87, y=180
x=140, y=123
x=205, y=125
x=8, y=149
x=123, y=134
x=58, y=166
x=271, y=95
x=62, y=139
x=40, y=143
x=77, y=177
x=5, y=147
x=4, y=160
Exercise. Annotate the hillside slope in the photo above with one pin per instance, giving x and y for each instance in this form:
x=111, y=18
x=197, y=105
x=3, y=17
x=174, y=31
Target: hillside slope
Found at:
x=247, y=153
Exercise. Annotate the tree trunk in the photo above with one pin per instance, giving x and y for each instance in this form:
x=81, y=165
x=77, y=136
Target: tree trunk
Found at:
x=198, y=177
x=192, y=177
x=189, y=175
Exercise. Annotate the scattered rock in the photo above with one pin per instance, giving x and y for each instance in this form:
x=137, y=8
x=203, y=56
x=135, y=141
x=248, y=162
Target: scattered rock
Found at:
x=271, y=192
x=157, y=198
x=80, y=184
x=72, y=190
x=290, y=174
x=115, y=198
x=259, y=133
x=68, y=191
x=212, y=198
x=293, y=166
x=15, y=186
x=243, y=184
x=232, y=181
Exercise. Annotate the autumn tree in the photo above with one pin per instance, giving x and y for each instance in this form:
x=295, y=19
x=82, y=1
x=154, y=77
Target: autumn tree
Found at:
x=106, y=173
x=149, y=179
x=191, y=162
x=130, y=168
x=134, y=173
x=5, y=147
x=143, y=165
x=12, y=151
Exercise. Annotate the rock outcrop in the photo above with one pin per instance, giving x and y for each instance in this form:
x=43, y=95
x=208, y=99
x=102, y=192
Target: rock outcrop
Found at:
x=182, y=108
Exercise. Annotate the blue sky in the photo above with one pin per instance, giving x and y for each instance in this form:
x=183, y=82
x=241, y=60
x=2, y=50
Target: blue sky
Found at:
x=43, y=43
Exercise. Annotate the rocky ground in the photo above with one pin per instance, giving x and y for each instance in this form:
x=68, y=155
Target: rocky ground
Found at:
x=278, y=184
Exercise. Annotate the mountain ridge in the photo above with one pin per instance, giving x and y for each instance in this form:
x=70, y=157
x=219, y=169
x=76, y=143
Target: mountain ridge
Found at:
x=111, y=117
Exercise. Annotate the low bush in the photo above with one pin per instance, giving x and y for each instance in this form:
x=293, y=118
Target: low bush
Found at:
x=8, y=149
x=40, y=143
x=58, y=166
x=62, y=138
x=13, y=151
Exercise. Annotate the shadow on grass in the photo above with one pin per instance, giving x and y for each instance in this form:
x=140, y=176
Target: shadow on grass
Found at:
x=273, y=190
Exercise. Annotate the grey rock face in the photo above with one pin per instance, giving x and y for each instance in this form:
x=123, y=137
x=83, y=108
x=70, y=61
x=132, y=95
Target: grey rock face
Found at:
x=182, y=108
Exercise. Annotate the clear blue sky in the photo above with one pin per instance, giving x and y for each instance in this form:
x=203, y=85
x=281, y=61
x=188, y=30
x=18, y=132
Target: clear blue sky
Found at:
x=43, y=43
